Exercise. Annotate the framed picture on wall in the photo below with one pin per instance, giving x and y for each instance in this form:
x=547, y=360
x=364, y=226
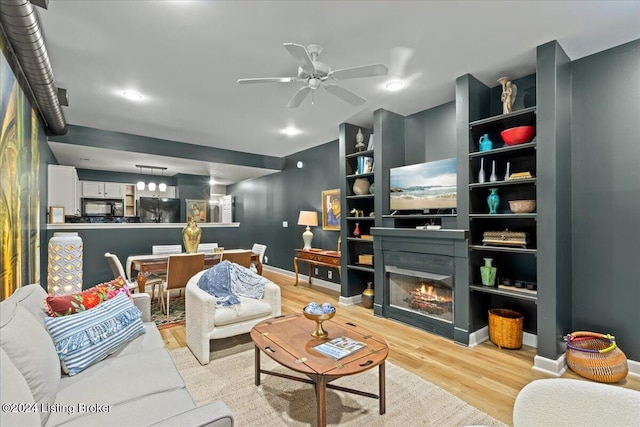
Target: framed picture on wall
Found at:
x=331, y=209
x=197, y=209
x=56, y=215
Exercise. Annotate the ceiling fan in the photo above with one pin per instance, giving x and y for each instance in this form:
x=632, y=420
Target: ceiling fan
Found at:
x=318, y=74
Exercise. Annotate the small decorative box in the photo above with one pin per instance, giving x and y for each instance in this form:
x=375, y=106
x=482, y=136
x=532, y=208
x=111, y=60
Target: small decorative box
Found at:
x=365, y=259
x=505, y=238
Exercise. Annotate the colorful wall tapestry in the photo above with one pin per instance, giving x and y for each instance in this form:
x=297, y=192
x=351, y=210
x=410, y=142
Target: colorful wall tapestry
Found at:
x=19, y=183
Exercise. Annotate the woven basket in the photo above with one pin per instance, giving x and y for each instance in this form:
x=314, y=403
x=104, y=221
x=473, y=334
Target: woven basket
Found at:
x=596, y=356
x=505, y=328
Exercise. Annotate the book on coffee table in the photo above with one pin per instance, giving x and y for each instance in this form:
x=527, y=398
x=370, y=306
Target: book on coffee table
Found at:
x=339, y=347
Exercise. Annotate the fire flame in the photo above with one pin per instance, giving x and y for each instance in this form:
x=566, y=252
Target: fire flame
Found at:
x=431, y=294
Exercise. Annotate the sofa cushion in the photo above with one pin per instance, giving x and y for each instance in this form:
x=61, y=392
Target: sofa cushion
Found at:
x=15, y=390
x=64, y=305
x=32, y=298
x=89, y=336
x=248, y=309
x=31, y=350
x=144, y=411
x=115, y=381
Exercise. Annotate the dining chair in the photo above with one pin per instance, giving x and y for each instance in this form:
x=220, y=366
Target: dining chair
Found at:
x=260, y=250
x=207, y=248
x=180, y=269
x=166, y=249
x=242, y=258
x=118, y=271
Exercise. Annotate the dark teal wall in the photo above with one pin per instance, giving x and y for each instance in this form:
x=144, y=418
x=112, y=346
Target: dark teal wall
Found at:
x=606, y=195
x=262, y=204
x=431, y=134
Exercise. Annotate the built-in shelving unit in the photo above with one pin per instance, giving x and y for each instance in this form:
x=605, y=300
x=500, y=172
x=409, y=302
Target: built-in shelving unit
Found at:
x=359, y=212
x=543, y=101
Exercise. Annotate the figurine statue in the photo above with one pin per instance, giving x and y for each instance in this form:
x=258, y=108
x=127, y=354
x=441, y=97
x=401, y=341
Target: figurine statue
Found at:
x=359, y=141
x=509, y=91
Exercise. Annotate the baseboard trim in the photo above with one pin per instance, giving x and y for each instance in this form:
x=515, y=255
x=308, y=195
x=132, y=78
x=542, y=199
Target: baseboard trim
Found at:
x=530, y=340
x=356, y=299
x=549, y=366
x=478, y=337
x=634, y=368
x=304, y=280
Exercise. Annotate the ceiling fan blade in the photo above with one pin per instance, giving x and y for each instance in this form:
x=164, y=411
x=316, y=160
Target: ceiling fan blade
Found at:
x=301, y=55
x=362, y=71
x=344, y=94
x=269, y=80
x=299, y=97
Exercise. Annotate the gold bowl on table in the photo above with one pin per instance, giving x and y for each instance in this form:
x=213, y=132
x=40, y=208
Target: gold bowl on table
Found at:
x=319, y=318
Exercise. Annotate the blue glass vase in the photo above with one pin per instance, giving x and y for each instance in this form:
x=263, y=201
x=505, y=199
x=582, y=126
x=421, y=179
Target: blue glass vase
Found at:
x=493, y=201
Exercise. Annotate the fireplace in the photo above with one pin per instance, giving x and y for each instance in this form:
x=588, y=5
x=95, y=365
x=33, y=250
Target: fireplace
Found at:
x=421, y=293
x=423, y=278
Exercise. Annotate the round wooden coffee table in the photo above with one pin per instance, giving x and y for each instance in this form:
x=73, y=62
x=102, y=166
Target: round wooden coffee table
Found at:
x=288, y=341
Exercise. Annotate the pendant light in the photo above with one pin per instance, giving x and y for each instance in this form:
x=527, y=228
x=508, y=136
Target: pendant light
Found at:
x=151, y=185
x=162, y=186
x=140, y=184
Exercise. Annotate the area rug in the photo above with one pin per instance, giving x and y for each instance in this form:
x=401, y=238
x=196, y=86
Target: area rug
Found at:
x=277, y=402
x=176, y=312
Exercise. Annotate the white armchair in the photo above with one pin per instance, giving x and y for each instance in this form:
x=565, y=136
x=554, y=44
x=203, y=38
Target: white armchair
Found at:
x=205, y=321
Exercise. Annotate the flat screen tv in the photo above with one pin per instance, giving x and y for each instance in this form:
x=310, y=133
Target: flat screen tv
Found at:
x=424, y=186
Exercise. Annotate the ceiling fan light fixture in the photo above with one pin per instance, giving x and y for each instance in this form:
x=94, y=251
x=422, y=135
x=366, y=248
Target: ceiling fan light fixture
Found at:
x=291, y=131
x=132, y=95
x=394, y=85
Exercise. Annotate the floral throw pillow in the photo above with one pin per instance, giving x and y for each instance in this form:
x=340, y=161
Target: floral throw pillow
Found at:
x=64, y=305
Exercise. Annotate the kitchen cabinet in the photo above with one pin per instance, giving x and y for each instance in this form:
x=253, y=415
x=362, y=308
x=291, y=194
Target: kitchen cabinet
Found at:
x=62, y=188
x=106, y=190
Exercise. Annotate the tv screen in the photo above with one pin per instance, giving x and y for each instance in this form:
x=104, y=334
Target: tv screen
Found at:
x=430, y=185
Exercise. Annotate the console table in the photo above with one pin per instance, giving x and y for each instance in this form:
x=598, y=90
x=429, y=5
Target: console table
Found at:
x=316, y=257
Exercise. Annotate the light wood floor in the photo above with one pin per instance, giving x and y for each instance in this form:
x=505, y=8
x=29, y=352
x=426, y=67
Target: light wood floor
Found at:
x=484, y=376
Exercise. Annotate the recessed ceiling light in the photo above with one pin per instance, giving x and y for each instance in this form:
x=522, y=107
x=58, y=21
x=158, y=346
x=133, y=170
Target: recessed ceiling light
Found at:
x=300, y=165
x=134, y=96
x=394, y=85
x=291, y=131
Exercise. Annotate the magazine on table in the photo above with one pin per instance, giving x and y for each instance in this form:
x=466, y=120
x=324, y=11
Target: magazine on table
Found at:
x=339, y=347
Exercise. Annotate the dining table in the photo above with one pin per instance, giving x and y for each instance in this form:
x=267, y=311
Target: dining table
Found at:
x=149, y=263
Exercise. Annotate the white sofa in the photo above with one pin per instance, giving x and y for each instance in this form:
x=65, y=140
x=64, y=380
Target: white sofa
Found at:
x=138, y=385
x=567, y=402
x=205, y=321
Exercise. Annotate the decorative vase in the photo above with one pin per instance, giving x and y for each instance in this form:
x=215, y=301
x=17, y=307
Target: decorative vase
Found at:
x=372, y=188
x=361, y=186
x=481, y=172
x=64, y=264
x=485, y=143
x=356, y=231
x=488, y=273
x=493, y=201
x=506, y=174
x=367, y=296
x=191, y=236
x=493, y=177
x=359, y=141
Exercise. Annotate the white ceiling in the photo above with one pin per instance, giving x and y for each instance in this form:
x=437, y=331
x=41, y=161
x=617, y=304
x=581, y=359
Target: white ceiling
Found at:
x=184, y=57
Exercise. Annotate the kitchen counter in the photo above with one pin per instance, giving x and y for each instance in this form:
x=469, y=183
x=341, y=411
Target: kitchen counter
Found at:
x=135, y=225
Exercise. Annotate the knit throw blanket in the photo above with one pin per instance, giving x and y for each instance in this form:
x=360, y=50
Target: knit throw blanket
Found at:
x=228, y=281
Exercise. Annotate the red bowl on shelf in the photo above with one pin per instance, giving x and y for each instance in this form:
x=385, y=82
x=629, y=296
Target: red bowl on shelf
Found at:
x=518, y=135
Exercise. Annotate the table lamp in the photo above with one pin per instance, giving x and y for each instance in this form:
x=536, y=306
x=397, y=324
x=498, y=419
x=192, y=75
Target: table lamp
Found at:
x=308, y=218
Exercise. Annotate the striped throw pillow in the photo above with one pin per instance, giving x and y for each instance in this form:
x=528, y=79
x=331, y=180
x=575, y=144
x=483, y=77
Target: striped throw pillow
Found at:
x=87, y=337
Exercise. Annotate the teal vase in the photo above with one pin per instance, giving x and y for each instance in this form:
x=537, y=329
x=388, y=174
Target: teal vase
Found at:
x=488, y=272
x=493, y=201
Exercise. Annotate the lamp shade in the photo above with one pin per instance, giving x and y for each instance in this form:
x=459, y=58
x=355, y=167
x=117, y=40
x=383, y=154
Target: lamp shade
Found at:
x=308, y=218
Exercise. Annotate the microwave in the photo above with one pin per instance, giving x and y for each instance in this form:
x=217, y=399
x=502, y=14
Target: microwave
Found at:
x=102, y=207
